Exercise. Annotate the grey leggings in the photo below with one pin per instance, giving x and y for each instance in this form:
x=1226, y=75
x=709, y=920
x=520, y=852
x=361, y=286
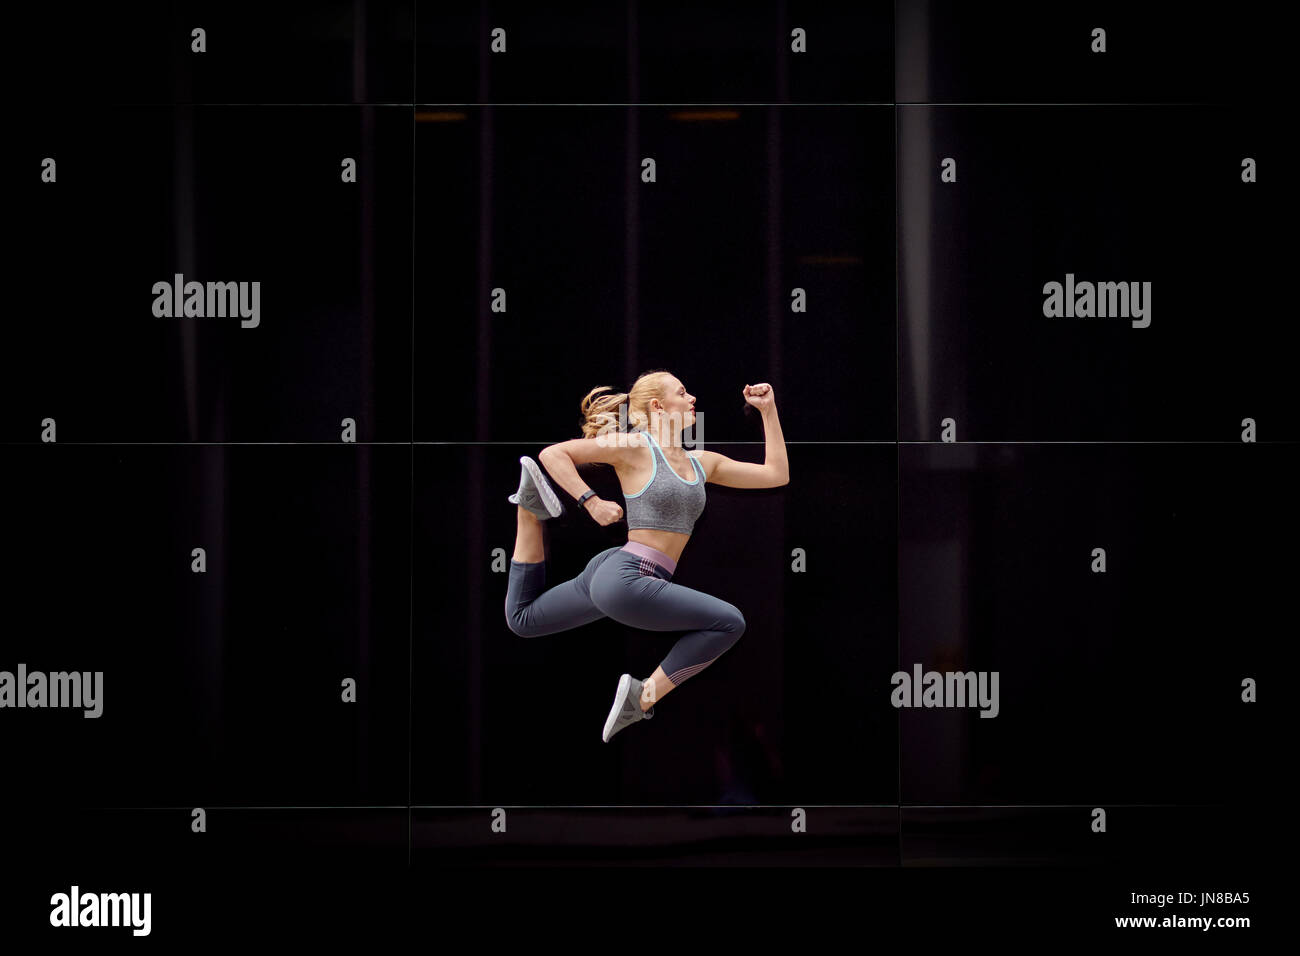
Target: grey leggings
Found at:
x=631, y=588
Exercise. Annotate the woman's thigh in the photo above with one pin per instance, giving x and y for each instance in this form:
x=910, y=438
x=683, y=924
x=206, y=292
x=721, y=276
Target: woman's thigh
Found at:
x=646, y=602
x=562, y=607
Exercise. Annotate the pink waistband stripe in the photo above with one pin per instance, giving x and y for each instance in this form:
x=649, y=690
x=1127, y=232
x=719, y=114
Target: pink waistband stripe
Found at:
x=651, y=554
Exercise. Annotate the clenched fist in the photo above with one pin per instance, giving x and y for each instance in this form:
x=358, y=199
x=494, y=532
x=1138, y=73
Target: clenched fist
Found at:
x=760, y=396
x=605, y=512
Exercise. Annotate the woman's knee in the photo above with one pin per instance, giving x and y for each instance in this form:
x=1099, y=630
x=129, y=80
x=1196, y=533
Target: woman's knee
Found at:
x=517, y=621
x=734, y=622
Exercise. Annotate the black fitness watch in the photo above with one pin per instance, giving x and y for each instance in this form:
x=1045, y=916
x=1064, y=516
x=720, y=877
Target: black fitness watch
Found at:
x=582, y=502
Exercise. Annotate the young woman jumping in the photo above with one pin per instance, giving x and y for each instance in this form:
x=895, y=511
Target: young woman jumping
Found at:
x=633, y=584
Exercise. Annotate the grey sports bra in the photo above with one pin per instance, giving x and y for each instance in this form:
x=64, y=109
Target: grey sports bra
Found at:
x=668, y=502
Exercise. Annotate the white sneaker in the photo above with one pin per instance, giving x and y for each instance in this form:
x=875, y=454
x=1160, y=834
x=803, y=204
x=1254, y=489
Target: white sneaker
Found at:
x=627, y=707
x=535, y=492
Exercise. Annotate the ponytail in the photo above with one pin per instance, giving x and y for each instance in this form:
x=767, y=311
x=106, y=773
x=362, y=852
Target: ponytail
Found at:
x=600, y=413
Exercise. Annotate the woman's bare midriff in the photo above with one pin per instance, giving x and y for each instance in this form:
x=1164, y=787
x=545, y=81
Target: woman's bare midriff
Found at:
x=670, y=543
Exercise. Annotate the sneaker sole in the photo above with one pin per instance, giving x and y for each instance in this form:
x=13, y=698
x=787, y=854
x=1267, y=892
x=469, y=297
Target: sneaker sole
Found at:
x=543, y=486
x=624, y=683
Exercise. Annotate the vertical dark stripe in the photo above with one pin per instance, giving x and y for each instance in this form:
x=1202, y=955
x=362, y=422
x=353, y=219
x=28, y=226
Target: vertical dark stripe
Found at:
x=369, y=162
x=410, y=510
x=778, y=303
x=915, y=139
x=913, y=136
x=359, y=51
x=632, y=217
x=205, y=465
x=483, y=431
x=775, y=278
x=631, y=288
x=183, y=233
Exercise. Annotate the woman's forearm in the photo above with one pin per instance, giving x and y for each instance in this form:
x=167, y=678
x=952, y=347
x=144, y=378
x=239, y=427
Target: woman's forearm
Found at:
x=563, y=470
x=776, y=458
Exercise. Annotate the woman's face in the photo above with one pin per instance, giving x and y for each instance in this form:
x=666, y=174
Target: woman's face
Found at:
x=679, y=404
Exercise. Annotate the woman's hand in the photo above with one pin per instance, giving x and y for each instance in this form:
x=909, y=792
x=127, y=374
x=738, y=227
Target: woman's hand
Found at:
x=760, y=396
x=604, y=512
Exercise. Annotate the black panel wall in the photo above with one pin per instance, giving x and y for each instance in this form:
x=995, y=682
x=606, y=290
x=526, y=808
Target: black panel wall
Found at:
x=294, y=288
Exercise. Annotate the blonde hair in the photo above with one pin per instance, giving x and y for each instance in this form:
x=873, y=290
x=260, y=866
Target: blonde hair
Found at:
x=600, y=413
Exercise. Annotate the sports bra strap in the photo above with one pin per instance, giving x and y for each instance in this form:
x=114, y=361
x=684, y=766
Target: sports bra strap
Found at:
x=696, y=468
